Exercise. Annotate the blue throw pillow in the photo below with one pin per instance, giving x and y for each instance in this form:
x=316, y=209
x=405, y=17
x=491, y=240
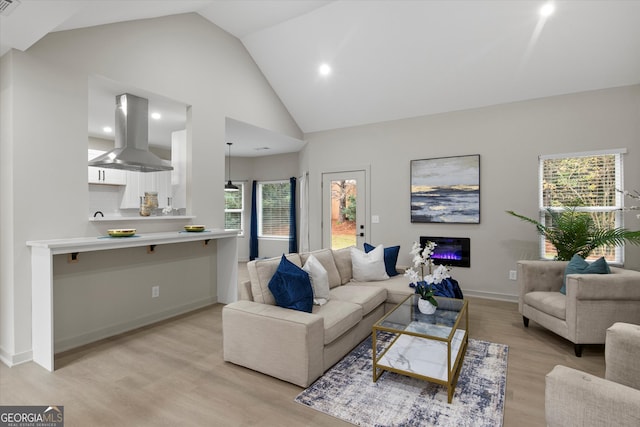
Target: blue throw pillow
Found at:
x=578, y=265
x=291, y=287
x=390, y=258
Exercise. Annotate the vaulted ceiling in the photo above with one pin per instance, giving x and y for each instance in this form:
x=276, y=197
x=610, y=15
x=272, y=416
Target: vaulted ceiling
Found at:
x=391, y=59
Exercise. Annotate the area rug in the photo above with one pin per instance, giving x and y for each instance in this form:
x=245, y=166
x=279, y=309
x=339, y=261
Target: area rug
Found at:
x=348, y=392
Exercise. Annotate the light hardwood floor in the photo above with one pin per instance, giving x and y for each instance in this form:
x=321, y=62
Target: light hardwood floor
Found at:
x=172, y=374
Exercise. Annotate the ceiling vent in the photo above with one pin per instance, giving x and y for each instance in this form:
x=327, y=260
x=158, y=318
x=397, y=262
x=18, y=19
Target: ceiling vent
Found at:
x=8, y=6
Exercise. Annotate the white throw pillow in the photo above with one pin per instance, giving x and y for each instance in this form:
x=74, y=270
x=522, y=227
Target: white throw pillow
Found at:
x=319, y=280
x=368, y=267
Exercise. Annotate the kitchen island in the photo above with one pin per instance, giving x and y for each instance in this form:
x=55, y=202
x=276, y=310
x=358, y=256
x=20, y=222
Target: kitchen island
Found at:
x=42, y=272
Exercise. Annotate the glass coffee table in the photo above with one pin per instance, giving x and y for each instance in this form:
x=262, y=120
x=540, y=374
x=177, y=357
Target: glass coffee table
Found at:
x=426, y=346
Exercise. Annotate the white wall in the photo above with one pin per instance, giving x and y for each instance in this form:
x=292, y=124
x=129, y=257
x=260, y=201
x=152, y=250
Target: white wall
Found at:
x=44, y=187
x=509, y=139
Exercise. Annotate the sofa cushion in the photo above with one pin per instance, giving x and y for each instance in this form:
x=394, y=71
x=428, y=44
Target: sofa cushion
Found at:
x=342, y=257
x=291, y=287
x=552, y=303
x=261, y=271
x=390, y=258
x=325, y=256
x=397, y=288
x=578, y=265
x=368, y=267
x=319, y=280
x=339, y=317
x=368, y=297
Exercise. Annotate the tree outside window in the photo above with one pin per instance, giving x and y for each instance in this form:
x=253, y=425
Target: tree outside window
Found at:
x=587, y=181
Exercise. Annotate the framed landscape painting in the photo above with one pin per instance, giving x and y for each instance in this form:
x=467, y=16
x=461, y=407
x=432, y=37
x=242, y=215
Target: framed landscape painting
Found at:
x=446, y=189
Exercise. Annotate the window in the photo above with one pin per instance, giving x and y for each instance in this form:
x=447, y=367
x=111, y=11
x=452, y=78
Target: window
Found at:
x=234, y=209
x=588, y=181
x=273, y=209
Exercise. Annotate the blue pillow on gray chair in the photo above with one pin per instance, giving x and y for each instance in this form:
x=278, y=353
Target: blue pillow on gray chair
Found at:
x=578, y=265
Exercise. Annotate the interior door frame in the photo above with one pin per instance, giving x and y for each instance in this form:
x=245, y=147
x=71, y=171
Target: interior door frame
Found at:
x=366, y=169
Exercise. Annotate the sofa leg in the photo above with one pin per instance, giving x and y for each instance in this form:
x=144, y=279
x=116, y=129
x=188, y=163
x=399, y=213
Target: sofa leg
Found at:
x=578, y=349
x=525, y=321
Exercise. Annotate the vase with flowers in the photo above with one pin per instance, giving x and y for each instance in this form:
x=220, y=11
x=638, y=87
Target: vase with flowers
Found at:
x=423, y=283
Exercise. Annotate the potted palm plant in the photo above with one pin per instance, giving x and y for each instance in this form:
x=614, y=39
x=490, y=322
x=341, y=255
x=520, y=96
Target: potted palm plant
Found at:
x=572, y=232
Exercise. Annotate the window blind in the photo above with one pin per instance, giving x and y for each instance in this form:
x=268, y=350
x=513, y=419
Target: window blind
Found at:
x=274, y=209
x=588, y=182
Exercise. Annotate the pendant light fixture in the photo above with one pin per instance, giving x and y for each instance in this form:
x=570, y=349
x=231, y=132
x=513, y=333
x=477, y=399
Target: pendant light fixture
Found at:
x=229, y=185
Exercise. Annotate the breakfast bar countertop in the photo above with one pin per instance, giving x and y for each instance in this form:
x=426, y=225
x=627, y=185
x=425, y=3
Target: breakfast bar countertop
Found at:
x=97, y=243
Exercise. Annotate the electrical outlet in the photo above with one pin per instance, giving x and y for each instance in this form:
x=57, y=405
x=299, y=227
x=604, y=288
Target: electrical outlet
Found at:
x=513, y=275
x=155, y=291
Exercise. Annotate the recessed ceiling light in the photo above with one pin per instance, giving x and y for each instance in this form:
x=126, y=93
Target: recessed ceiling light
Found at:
x=156, y=116
x=107, y=129
x=547, y=9
x=324, y=69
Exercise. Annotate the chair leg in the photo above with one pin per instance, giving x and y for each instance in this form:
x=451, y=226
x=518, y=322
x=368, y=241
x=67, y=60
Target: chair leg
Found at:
x=525, y=321
x=578, y=349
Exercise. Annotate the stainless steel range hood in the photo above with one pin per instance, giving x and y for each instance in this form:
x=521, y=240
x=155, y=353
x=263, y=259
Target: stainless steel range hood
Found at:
x=131, y=150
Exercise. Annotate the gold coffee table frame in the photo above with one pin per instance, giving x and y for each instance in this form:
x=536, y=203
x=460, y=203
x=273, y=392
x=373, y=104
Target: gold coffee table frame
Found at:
x=428, y=347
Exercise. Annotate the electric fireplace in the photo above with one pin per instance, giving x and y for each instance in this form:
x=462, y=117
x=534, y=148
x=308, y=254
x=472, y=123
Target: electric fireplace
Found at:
x=450, y=251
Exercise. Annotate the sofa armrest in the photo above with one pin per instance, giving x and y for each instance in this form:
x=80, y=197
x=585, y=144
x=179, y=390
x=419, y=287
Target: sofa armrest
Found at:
x=244, y=291
x=286, y=344
x=594, y=302
x=575, y=398
x=621, y=285
x=622, y=347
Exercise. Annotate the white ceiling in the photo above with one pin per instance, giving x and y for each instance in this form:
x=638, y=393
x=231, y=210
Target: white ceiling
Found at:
x=392, y=59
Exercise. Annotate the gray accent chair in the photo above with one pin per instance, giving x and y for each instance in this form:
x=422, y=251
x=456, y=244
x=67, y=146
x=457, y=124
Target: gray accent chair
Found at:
x=576, y=398
x=593, y=302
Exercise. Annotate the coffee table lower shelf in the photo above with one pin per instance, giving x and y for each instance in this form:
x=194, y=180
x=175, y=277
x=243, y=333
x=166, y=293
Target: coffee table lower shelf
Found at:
x=424, y=358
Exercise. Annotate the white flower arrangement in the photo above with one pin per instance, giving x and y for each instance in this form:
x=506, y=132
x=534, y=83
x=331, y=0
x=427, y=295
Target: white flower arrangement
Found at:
x=422, y=258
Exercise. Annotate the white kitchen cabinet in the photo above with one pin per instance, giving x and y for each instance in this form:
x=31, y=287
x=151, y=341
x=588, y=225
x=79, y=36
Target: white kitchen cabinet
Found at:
x=138, y=183
x=98, y=175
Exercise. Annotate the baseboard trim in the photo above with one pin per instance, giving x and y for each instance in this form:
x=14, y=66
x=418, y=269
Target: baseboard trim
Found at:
x=491, y=295
x=15, y=359
x=102, y=333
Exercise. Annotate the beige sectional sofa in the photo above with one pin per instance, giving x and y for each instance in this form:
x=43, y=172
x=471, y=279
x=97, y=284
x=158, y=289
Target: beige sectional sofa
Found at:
x=296, y=346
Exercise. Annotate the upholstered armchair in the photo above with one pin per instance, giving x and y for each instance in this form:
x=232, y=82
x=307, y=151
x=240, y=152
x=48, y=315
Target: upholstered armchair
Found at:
x=593, y=302
x=576, y=398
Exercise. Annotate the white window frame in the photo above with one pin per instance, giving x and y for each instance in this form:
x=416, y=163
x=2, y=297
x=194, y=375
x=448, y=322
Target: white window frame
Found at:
x=241, y=186
x=619, y=199
x=261, y=235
